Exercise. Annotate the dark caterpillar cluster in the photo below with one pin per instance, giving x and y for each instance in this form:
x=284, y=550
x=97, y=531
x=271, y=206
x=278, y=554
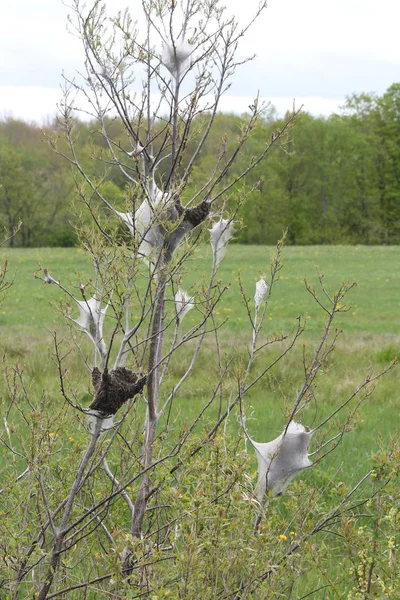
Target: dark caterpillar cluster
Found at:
x=114, y=388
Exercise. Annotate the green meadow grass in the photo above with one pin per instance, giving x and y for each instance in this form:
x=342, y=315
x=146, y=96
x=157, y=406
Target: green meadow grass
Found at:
x=374, y=302
x=370, y=338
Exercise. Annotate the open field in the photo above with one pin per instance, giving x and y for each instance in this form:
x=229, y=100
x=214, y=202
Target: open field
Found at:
x=370, y=340
x=374, y=303
x=371, y=334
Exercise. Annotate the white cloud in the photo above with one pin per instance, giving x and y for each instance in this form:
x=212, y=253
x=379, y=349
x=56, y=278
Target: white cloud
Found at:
x=39, y=104
x=315, y=105
x=314, y=51
x=349, y=26
x=29, y=103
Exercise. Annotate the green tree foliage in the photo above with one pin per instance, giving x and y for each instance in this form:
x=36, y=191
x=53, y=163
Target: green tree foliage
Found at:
x=333, y=180
x=16, y=192
x=388, y=132
x=35, y=188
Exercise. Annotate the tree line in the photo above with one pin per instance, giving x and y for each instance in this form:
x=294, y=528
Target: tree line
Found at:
x=332, y=180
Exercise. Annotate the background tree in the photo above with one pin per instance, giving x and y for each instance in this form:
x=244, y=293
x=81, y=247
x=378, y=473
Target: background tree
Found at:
x=37, y=187
x=17, y=191
x=335, y=182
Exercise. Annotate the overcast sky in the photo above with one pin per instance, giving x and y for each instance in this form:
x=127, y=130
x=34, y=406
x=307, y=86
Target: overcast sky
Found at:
x=314, y=51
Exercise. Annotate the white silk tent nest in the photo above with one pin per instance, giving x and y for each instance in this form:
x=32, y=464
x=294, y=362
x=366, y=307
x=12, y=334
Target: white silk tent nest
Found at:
x=281, y=459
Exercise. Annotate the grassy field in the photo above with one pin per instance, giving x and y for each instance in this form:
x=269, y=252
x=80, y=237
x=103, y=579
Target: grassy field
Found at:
x=29, y=315
x=370, y=338
x=374, y=303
